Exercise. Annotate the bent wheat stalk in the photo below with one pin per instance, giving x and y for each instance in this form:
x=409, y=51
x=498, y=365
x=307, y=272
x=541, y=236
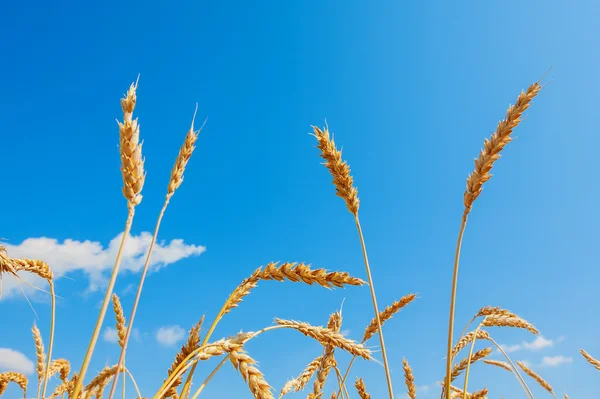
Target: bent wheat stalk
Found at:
x=475, y=181
x=344, y=184
x=132, y=169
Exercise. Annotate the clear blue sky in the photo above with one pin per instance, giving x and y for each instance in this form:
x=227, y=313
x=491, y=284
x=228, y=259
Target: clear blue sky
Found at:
x=410, y=90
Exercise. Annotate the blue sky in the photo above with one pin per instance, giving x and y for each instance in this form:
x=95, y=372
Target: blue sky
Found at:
x=410, y=90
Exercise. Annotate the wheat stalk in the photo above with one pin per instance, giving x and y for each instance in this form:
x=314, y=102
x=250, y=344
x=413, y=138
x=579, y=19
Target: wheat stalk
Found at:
x=543, y=383
x=361, y=389
x=327, y=337
x=409, y=379
x=474, y=186
x=344, y=184
x=590, y=359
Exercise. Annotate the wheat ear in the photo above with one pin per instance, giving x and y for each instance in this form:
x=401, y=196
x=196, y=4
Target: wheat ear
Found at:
x=334, y=324
x=543, y=383
x=509, y=321
x=132, y=169
x=297, y=384
x=475, y=181
x=409, y=379
x=17, y=378
x=594, y=362
x=361, y=389
x=498, y=363
x=344, y=184
x=255, y=379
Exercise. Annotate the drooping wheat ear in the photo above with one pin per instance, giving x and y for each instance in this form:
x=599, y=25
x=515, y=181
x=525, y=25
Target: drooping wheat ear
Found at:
x=509, y=321
x=344, y=184
x=297, y=384
x=255, y=379
x=327, y=337
x=361, y=389
x=39, y=353
x=34, y=266
x=468, y=338
x=499, y=363
x=334, y=324
x=240, y=292
x=185, y=153
x=479, y=394
x=120, y=316
x=61, y=366
x=387, y=314
x=64, y=387
x=460, y=367
x=493, y=146
x=536, y=377
x=191, y=345
x=132, y=167
x=594, y=362
x=409, y=379
x=493, y=310
x=17, y=378
x=300, y=272
x=102, y=378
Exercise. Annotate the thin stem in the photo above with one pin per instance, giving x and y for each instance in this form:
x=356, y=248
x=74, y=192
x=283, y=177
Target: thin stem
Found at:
x=375, y=308
x=469, y=361
x=109, y=290
x=341, y=383
x=346, y=375
x=221, y=363
x=137, y=299
x=515, y=370
x=137, y=390
x=453, y=302
x=123, y=392
x=51, y=344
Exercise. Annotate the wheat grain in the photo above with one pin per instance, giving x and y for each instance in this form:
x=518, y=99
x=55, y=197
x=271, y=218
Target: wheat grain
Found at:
x=536, y=377
x=255, y=379
x=460, y=367
x=387, y=314
x=327, y=337
x=409, y=379
x=498, y=363
x=132, y=163
x=120, y=316
x=467, y=339
x=509, y=321
x=493, y=146
x=590, y=359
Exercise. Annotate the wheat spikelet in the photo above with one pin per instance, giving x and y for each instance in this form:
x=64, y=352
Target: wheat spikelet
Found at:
x=479, y=394
x=132, y=163
x=64, y=387
x=409, y=379
x=327, y=337
x=120, y=316
x=39, y=352
x=334, y=324
x=185, y=152
x=34, y=266
x=493, y=146
x=536, y=377
x=255, y=379
x=460, y=367
x=17, y=378
x=298, y=384
x=101, y=379
x=288, y=387
x=387, y=314
x=493, y=310
x=467, y=339
x=361, y=389
x=459, y=393
x=340, y=171
x=191, y=345
x=303, y=273
x=498, y=363
x=241, y=291
x=590, y=359
x=509, y=321
x=61, y=366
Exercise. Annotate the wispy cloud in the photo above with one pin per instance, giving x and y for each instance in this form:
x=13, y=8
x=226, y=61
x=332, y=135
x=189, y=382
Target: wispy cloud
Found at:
x=110, y=335
x=169, y=335
x=555, y=361
x=94, y=260
x=537, y=344
x=12, y=360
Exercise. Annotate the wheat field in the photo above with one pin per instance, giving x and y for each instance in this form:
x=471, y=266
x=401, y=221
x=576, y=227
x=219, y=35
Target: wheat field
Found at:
x=467, y=346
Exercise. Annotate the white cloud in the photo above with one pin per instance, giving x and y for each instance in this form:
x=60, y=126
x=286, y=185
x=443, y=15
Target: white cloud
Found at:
x=539, y=343
x=555, y=361
x=169, y=335
x=11, y=360
x=423, y=388
x=511, y=348
x=111, y=335
x=96, y=261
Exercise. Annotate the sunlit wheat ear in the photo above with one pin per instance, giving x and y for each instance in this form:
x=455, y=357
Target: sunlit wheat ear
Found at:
x=361, y=389
x=479, y=394
x=191, y=345
x=460, y=367
x=334, y=324
x=590, y=359
x=328, y=337
x=499, y=363
x=536, y=377
x=39, y=353
x=297, y=384
x=409, y=379
x=300, y=272
x=509, y=321
x=120, y=316
x=132, y=163
x=66, y=387
x=185, y=153
x=468, y=338
x=387, y=314
x=101, y=379
x=16, y=378
x=255, y=379
x=61, y=366
x=493, y=146
x=340, y=171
